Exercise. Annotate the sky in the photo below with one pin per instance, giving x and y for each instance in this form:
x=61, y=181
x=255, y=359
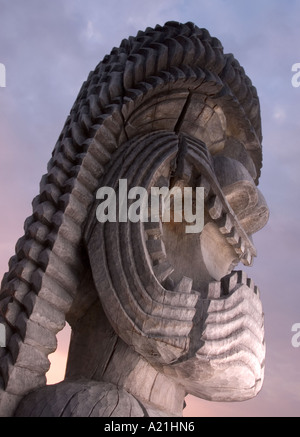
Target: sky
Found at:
x=49, y=48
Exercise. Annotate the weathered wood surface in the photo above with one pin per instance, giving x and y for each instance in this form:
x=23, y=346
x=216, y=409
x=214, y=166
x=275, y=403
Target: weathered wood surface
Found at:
x=175, y=86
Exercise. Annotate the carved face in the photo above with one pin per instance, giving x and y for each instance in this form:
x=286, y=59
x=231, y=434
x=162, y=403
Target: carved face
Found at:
x=158, y=283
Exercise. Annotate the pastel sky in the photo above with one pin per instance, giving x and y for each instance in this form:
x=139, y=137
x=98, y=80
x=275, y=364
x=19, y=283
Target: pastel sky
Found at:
x=49, y=47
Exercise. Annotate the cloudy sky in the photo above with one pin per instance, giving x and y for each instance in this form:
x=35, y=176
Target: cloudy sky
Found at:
x=48, y=49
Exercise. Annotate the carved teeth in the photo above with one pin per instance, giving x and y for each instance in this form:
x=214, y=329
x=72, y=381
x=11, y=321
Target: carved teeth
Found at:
x=214, y=290
x=184, y=285
x=156, y=249
x=162, y=271
x=236, y=278
x=229, y=282
x=240, y=247
x=247, y=259
x=242, y=277
x=233, y=237
x=250, y=283
x=215, y=207
x=225, y=224
x=153, y=228
x=168, y=284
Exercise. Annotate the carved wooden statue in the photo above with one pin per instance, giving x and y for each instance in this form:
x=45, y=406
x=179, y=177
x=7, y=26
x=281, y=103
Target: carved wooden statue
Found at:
x=156, y=312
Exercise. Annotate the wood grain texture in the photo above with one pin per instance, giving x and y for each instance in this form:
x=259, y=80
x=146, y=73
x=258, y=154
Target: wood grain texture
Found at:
x=173, y=78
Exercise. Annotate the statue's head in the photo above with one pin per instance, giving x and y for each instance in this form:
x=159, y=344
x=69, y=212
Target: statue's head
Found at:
x=166, y=119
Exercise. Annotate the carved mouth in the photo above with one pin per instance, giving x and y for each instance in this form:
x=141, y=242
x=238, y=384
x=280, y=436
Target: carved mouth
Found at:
x=174, y=276
x=194, y=261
